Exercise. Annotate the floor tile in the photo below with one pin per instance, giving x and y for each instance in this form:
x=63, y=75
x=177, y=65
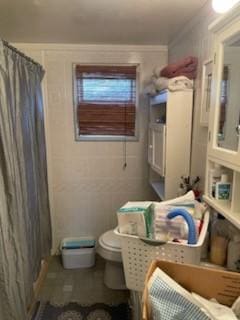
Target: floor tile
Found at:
x=84, y=286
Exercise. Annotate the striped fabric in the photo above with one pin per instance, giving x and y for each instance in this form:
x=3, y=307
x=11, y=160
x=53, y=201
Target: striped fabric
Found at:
x=168, y=304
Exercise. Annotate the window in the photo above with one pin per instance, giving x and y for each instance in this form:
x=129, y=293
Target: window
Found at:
x=105, y=101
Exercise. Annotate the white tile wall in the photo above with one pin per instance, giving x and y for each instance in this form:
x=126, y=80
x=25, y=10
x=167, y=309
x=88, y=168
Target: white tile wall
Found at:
x=195, y=39
x=87, y=182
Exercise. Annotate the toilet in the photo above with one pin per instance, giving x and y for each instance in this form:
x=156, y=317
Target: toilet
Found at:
x=110, y=249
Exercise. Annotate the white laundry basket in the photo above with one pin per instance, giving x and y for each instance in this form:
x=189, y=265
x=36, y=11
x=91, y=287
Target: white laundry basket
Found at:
x=137, y=254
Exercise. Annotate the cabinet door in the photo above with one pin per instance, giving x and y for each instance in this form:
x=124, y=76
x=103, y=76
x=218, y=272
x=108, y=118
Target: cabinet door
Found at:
x=158, y=148
x=225, y=113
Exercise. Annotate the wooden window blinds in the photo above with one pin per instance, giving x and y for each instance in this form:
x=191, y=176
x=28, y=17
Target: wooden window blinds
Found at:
x=106, y=100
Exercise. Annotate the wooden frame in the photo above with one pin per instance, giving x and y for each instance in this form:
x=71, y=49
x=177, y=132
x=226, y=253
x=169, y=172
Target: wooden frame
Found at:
x=206, y=91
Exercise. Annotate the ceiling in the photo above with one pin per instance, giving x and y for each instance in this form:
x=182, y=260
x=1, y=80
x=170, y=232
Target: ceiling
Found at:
x=95, y=21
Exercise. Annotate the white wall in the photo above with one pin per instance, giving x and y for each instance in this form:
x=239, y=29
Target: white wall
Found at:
x=86, y=181
x=195, y=39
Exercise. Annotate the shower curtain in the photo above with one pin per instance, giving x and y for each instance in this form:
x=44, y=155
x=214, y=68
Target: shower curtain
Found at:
x=25, y=228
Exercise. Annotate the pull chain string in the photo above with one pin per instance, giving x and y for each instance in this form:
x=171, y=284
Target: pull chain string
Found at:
x=124, y=154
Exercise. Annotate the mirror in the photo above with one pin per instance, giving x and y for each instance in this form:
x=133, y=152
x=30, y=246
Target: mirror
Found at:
x=229, y=115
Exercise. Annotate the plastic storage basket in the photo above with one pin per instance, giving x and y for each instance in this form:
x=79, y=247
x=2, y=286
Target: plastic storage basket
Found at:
x=137, y=254
x=78, y=252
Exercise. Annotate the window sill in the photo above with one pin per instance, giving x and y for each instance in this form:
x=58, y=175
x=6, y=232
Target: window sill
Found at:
x=106, y=138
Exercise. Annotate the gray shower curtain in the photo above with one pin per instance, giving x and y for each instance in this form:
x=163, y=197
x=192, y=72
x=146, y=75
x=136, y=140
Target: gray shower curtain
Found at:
x=25, y=228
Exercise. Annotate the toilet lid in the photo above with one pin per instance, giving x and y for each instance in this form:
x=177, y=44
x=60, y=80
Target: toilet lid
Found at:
x=110, y=239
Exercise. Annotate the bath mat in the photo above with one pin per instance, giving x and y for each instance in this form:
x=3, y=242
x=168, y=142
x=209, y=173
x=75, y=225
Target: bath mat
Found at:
x=75, y=311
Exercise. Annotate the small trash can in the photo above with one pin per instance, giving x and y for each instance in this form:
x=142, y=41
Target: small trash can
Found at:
x=78, y=252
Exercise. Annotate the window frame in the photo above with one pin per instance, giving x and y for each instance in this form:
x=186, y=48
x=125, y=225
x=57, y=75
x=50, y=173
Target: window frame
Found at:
x=81, y=137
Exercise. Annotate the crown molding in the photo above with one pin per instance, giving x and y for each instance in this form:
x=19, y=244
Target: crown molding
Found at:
x=225, y=19
x=91, y=47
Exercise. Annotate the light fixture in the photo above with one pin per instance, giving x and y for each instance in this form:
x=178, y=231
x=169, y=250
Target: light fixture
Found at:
x=222, y=6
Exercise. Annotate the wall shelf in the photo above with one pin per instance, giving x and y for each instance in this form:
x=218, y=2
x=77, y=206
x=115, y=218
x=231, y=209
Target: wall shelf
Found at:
x=224, y=208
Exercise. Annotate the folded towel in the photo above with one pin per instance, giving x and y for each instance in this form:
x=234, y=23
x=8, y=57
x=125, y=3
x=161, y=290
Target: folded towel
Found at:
x=186, y=67
x=179, y=83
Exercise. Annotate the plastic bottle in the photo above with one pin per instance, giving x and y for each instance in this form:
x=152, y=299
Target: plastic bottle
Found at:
x=218, y=252
x=223, y=188
x=214, y=176
x=233, y=257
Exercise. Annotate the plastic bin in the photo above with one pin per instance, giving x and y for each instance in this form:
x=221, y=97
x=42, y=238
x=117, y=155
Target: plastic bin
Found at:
x=78, y=252
x=138, y=254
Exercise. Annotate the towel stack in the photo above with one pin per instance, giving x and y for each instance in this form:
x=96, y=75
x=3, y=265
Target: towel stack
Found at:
x=174, y=77
x=186, y=67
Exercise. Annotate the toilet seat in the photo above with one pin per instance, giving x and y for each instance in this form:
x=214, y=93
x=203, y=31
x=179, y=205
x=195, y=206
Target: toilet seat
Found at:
x=110, y=241
x=110, y=247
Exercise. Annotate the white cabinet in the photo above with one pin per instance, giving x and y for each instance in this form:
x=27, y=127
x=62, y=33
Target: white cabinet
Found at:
x=169, y=141
x=224, y=131
x=224, y=124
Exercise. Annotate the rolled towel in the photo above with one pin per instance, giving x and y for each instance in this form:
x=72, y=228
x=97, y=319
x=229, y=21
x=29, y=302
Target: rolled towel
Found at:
x=157, y=71
x=176, y=69
x=153, y=78
x=150, y=90
x=161, y=83
x=190, y=72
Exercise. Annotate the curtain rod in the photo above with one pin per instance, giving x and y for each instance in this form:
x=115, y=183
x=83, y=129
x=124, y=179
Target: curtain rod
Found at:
x=6, y=44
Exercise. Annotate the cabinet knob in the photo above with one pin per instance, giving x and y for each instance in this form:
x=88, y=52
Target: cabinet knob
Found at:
x=150, y=146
